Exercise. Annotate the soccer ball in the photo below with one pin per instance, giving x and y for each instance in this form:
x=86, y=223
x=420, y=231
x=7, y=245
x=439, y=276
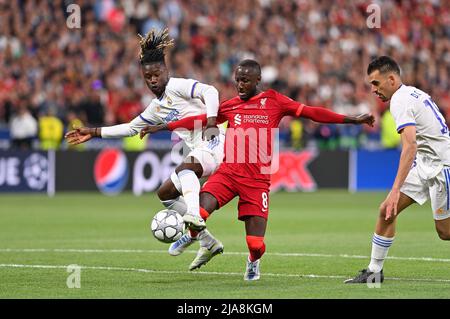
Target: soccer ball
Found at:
x=167, y=226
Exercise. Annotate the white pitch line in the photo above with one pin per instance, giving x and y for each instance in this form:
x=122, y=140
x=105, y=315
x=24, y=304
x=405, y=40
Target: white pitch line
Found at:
x=150, y=251
x=216, y=273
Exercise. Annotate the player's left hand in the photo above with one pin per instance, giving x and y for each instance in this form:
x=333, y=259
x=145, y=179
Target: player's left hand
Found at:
x=150, y=129
x=211, y=130
x=390, y=204
x=79, y=135
x=368, y=119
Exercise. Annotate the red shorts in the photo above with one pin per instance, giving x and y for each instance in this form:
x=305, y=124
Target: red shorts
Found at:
x=253, y=195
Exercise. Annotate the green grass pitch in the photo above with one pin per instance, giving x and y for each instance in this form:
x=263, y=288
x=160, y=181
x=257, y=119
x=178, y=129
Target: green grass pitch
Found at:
x=314, y=241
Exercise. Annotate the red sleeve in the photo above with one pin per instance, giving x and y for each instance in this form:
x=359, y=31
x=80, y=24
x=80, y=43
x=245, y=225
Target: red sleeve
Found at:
x=288, y=105
x=187, y=123
x=321, y=115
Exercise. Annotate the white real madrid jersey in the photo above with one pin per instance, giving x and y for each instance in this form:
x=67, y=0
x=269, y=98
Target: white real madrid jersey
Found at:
x=181, y=98
x=411, y=106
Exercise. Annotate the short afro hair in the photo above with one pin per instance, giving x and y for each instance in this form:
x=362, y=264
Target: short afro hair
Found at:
x=383, y=64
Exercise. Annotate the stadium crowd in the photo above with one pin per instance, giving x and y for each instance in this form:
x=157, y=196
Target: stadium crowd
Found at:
x=53, y=76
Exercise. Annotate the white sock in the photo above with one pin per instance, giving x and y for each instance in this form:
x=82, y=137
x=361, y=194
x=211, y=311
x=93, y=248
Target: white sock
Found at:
x=190, y=186
x=205, y=238
x=178, y=204
x=380, y=248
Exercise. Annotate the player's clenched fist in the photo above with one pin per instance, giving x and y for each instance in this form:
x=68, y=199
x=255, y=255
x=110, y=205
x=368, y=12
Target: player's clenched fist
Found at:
x=368, y=119
x=150, y=129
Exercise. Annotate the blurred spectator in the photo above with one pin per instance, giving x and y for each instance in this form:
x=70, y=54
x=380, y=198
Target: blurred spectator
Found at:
x=92, y=106
x=51, y=130
x=24, y=128
x=134, y=143
x=296, y=128
x=74, y=122
x=389, y=136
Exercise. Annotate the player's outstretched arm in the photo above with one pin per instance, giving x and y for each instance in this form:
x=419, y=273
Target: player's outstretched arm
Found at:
x=188, y=123
x=323, y=115
x=82, y=135
x=150, y=129
x=368, y=119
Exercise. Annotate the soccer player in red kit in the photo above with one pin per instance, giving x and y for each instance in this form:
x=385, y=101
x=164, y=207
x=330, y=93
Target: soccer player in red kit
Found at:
x=253, y=117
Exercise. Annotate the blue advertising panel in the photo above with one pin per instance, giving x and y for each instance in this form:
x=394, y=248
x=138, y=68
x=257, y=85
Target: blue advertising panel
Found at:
x=27, y=171
x=373, y=170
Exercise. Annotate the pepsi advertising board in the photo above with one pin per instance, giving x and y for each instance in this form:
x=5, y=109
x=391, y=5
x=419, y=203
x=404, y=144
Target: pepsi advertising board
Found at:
x=27, y=172
x=112, y=170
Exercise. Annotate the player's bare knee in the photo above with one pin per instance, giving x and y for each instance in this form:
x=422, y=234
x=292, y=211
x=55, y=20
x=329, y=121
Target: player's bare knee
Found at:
x=208, y=202
x=167, y=193
x=382, y=215
x=443, y=234
x=162, y=194
x=195, y=167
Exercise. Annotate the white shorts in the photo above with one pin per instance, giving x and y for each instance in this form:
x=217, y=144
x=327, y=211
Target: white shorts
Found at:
x=437, y=189
x=209, y=154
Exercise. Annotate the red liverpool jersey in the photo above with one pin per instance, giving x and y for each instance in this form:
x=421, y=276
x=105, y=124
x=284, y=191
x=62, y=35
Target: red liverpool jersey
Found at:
x=252, y=127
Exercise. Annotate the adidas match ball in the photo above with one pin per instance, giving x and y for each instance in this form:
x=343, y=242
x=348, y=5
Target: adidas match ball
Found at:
x=167, y=226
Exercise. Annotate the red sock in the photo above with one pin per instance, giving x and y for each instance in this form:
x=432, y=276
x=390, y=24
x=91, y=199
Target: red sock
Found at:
x=203, y=213
x=256, y=247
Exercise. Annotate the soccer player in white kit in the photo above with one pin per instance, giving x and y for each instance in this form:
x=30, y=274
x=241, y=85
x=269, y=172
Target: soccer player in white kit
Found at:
x=176, y=98
x=424, y=169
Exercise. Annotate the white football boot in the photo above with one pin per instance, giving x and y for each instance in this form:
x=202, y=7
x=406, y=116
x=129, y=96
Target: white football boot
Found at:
x=178, y=247
x=194, y=222
x=209, y=247
x=252, y=270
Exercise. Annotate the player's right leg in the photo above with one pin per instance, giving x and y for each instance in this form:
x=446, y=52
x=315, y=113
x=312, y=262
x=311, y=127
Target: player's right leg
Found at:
x=381, y=241
x=170, y=195
x=203, y=161
x=255, y=227
x=440, y=203
x=218, y=191
x=254, y=210
x=209, y=246
x=188, y=174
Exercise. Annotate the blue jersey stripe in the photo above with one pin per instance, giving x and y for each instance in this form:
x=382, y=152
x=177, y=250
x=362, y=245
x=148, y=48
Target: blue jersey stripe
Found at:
x=404, y=125
x=192, y=90
x=145, y=120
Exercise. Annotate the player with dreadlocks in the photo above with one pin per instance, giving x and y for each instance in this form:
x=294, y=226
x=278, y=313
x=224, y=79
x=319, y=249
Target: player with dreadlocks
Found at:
x=176, y=98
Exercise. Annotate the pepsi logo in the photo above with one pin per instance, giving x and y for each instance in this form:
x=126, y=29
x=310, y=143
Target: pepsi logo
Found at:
x=111, y=171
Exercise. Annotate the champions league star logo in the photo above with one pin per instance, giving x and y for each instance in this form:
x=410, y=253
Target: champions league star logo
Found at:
x=36, y=171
